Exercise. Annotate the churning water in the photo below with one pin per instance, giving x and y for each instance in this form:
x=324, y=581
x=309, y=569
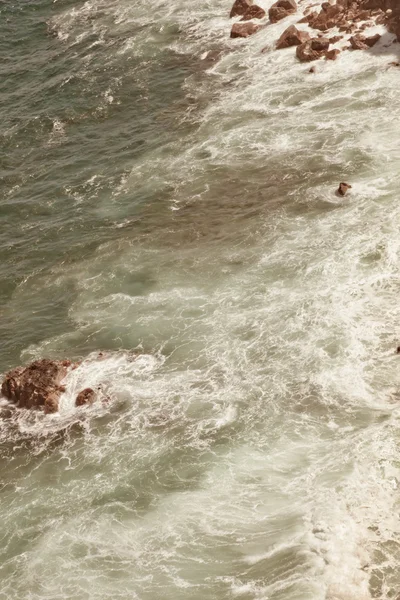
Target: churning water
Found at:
x=168, y=198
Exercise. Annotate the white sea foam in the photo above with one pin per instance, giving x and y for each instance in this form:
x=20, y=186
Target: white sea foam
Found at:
x=252, y=449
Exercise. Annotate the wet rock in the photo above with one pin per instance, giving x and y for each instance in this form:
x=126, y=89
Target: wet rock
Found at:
x=305, y=53
x=282, y=9
x=254, y=12
x=320, y=44
x=244, y=30
x=372, y=40
x=86, y=396
x=36, y=386
x=313, y=49
x=332, y=54
x=292, y=37
x=240, y=7
x=336, y=38
x=358, y=42
x=343, y=189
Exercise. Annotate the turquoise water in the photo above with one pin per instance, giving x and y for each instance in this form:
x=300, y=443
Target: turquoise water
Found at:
x=168, y=199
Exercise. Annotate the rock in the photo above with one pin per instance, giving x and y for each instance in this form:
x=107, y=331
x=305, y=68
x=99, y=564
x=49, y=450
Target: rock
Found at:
x=37, y=385
x=335, y=39
x=254, y=12
x=320, y=44
x=240, y=7
x=358, y=42
x=305, y=53
x=372, y=40
x=292, y=37
x=312, y=70
x=243, y=30
x=332, y=54
x=281, y=10
x=86, y=396
x=343, y=189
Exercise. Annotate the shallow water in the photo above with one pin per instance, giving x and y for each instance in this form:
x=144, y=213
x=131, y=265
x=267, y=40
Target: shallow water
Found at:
x=176, y=210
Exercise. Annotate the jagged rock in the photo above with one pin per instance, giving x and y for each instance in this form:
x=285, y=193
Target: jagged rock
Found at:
x=243, y=30
x=281, y=9
x=36, y=385
x=86, y=396
x=343, y=189
x=240, y=7
x=254, y=12
x=292, y=37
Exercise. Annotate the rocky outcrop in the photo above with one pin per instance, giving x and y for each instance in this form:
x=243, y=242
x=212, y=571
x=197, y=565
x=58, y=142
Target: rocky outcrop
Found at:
x=281, y=9
x=37, y=385
x=292, y=37
x=244, y=30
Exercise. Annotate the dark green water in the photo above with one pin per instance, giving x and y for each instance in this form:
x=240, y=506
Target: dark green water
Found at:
x=167, y=191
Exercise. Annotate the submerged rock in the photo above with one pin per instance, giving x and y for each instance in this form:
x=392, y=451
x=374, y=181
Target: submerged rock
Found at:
x=86, y=396
x=37, y=385
x=343, y=189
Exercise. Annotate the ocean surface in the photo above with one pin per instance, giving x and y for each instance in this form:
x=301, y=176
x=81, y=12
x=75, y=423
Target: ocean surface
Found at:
x=168, y=198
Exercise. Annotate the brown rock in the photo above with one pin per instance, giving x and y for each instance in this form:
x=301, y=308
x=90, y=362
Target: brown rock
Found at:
x=305, y=53
x=320, y=44
x=281, y=10
x=254, y=12
x=332, y=54
x=372, y=40
x=86, y=396
x=343, y=189
x=292, y=37
x=243, y=30
x=240, y=7
x=358, y=42
x=36, y=385
x=335, y=39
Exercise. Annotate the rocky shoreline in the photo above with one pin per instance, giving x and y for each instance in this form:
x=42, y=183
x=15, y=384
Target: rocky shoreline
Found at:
x=346, y=19
x=39, y=385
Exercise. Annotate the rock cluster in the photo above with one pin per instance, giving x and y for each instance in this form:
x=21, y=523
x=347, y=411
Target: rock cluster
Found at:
x=39, y=385
x=349, y=17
